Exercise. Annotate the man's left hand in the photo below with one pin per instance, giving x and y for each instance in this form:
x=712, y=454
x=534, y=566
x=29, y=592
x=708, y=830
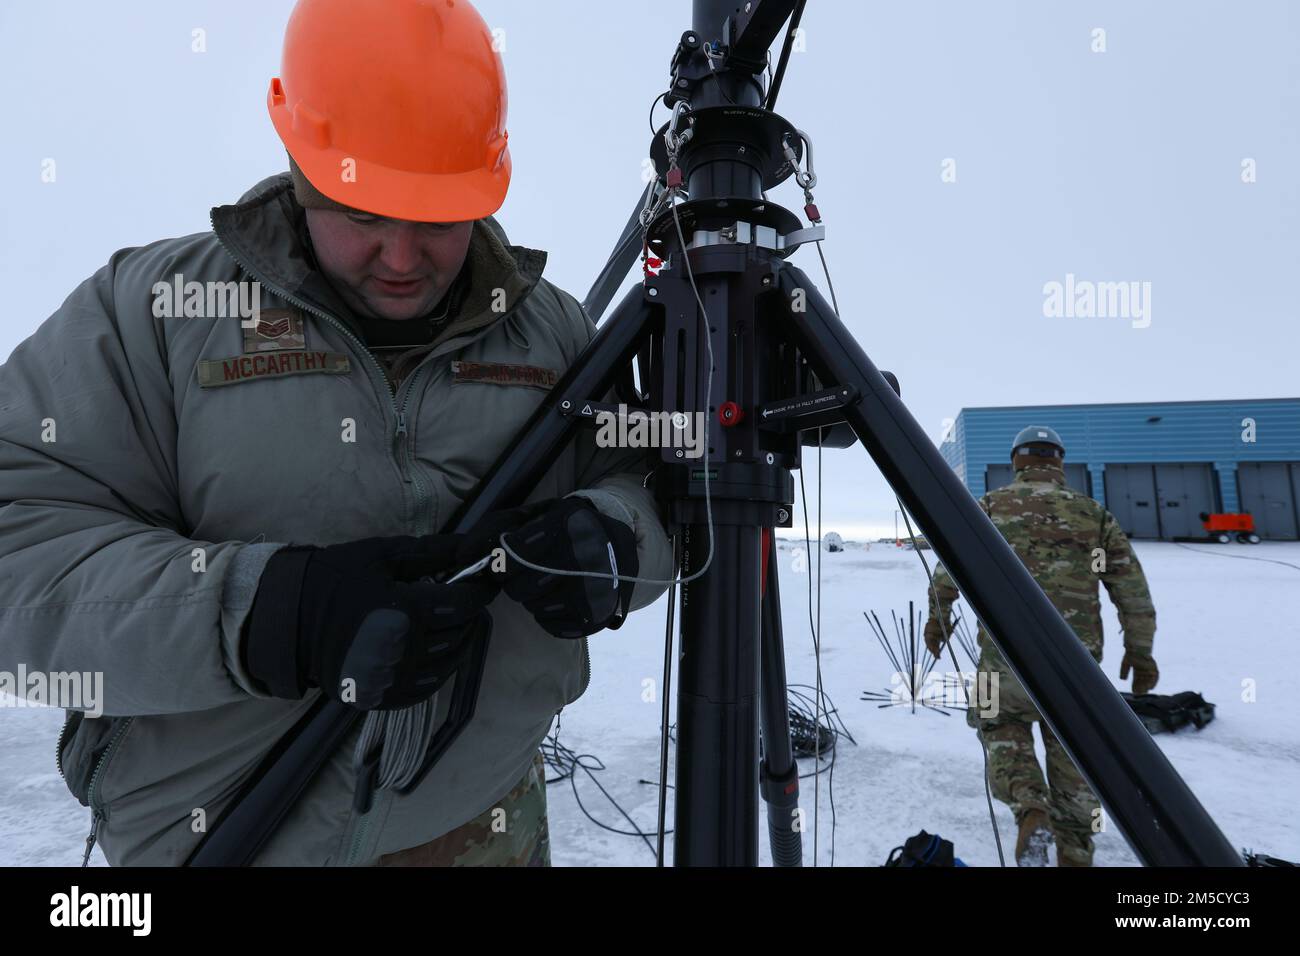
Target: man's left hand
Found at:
x=569, y=534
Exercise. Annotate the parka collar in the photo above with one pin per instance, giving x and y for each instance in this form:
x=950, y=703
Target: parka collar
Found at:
x=1051, y=473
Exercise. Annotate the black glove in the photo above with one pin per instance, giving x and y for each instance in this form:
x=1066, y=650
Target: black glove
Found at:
x=573, y=535
x=358, y=621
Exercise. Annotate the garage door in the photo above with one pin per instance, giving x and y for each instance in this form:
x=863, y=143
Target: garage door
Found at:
x=1267, y=490
x=1295, y=487
x=1184, y=491
x=1076, y=477
x=1131, y=498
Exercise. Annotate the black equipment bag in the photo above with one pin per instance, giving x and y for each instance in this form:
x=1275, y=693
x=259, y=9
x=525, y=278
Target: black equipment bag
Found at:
x=924, y=849
x=1166, y=713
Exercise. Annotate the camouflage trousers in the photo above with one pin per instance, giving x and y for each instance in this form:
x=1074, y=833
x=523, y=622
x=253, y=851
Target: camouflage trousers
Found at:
x=512, y=832
x=1016, y=778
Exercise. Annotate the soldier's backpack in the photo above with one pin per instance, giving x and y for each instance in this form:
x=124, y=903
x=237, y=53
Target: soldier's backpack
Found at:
x=924, y=849
x=1166, y=713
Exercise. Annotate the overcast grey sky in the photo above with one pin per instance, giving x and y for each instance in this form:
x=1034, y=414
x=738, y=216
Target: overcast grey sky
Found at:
x=1122, y=165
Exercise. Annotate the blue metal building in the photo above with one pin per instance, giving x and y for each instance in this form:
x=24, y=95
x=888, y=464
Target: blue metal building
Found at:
x=1156, y=466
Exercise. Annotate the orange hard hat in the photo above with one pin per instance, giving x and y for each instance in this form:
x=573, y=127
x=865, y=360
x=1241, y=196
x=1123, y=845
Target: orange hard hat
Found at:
x=395, y=107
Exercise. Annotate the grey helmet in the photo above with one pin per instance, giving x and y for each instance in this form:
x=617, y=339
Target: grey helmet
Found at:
x=1037, y=435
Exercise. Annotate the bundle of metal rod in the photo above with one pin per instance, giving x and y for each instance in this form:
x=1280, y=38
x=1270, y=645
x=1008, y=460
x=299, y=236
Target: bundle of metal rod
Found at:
x=961, y=633
x=912, y=683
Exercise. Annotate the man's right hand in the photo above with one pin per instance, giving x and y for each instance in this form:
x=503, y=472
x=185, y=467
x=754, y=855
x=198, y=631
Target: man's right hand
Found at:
x=934, y=637
x=364, y=621
x=1145, y=672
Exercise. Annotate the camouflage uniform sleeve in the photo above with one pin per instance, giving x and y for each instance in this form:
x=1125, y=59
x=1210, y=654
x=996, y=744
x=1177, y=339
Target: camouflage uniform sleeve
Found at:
x=945, y=589
x=1127, y=586
x=947, y=593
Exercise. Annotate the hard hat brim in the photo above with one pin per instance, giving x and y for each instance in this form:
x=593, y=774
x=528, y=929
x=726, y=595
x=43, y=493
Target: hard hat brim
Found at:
x=396, y=193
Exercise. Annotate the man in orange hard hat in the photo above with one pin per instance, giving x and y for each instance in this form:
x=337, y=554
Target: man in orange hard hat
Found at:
x=393, y=112
x=234, y=499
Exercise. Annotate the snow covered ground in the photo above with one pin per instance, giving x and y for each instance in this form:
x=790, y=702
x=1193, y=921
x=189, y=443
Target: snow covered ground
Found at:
x=1221, y=622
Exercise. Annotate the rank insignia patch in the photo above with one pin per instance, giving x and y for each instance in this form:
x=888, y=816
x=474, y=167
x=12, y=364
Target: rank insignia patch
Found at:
x=276, y=329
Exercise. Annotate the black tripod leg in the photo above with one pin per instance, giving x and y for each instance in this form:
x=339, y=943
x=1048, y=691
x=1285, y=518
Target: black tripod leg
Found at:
x=778, y=774
x=535, y=447
x=620, y=262
x=716, y=809
x=532, y=452
x=251, y=820
x=1163, y=821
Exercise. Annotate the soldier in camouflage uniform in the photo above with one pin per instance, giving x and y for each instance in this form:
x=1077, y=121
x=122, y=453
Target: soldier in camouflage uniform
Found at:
x=1068, y=542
